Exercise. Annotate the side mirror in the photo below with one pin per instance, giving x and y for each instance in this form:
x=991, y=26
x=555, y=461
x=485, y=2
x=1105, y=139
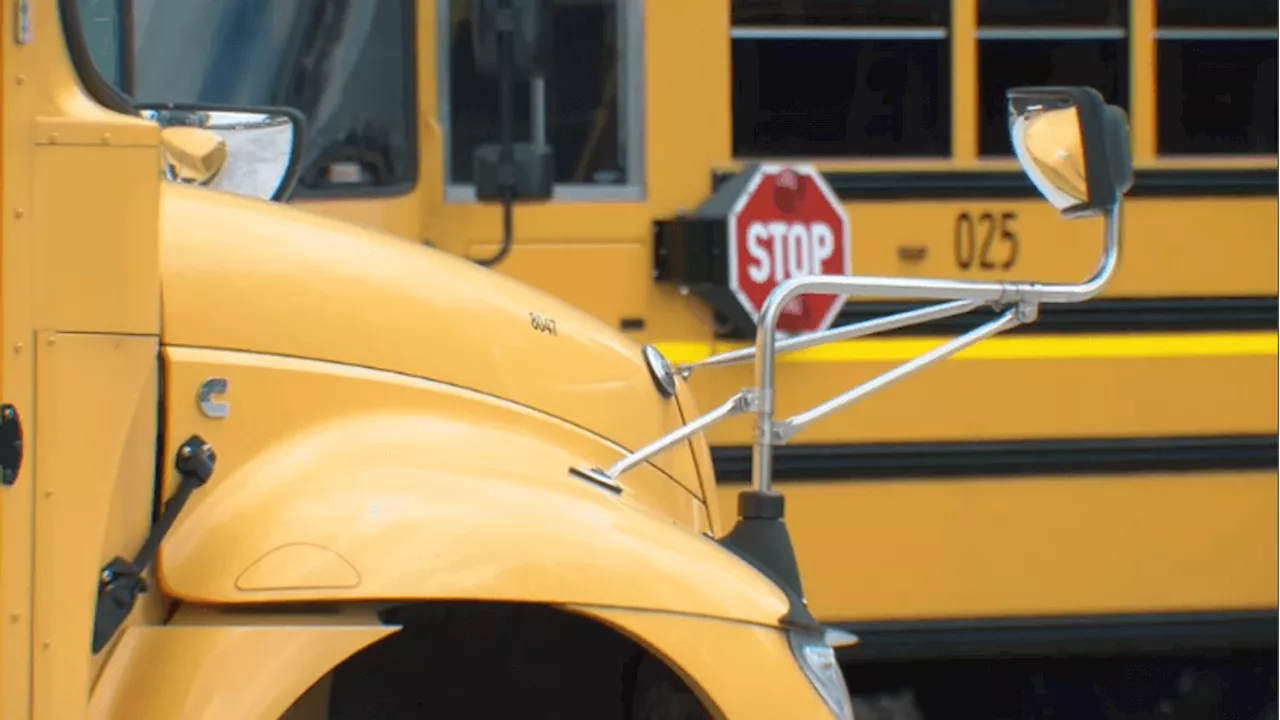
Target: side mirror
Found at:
x=256, y=152
x=1073, y=146
x=522, y=25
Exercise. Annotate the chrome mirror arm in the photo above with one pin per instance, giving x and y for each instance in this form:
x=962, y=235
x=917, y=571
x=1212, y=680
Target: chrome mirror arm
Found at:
x=784, y=430
x=845, y=332
x=1026, y=295
x=742, y=401
x=959, y=297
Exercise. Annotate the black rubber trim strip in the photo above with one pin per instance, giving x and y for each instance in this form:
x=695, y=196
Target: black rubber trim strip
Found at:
x=1103, y=316
x=1012, y=184
x=1110, y=635
x=1009, y=458
x=81, y=59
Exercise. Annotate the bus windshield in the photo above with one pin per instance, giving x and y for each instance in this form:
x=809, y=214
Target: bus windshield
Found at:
x=346, y=65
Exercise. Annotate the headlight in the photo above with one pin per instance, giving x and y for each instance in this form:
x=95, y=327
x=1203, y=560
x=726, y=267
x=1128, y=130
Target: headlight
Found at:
x=818, y=660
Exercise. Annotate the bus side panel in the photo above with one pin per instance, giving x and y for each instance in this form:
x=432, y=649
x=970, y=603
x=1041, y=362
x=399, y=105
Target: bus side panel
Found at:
x=991, y=547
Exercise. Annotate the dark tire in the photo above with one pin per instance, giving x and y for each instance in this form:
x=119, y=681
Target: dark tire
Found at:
x=660, y=694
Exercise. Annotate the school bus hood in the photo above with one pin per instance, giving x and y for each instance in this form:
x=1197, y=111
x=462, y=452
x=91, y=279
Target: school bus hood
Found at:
x=241, y=274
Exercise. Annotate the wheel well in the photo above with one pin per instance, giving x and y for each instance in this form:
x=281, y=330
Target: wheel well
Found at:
x=477, y=659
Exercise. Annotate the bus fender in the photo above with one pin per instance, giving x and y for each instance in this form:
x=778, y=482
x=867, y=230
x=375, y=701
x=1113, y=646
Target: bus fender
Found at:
x=368, y=516
x=207, y=669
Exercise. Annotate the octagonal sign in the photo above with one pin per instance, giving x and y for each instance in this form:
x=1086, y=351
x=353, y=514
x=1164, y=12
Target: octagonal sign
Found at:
x=788, y=223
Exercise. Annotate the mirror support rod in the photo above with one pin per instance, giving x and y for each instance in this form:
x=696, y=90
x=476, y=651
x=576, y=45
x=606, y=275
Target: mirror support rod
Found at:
x=1031, y=294
x=1007, y=321
x=962, y=296
x=845, y=332
x=741, y=402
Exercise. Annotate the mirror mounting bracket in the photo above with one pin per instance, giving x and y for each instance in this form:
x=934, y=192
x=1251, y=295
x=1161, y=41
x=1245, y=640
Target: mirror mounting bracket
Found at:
x=1082, y=170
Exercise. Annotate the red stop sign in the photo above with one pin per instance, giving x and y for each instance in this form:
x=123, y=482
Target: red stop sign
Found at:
x=788, y=223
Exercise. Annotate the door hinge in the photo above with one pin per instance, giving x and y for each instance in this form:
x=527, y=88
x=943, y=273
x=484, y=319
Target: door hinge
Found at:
x=10, y=444
x=120, y=581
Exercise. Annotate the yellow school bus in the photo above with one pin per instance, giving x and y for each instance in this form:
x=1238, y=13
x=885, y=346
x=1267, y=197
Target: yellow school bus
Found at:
x=1104, y=481
x=258, y=463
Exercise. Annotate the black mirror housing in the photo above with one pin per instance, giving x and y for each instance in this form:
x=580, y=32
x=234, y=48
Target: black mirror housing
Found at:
x=530, y=175
x=524, y=24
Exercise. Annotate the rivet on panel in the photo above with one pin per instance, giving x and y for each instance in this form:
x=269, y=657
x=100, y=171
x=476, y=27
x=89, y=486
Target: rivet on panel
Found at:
x=52, y=339
x=48, y=493
x=106, y=138
x=17, y=348
x=46, y=644
x=15, y=617
x=53, y=137
x=19, y=213
x=21, y=79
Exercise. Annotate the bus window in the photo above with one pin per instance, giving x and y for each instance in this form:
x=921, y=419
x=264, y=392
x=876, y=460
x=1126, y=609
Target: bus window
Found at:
x=1047, y=42
x=591, y=95
x=347, y=65
x=841, y=79
x=1216, y=77
x=100, y=24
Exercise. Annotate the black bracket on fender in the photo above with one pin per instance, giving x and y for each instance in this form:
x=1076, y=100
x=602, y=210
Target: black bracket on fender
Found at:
x=121, y=581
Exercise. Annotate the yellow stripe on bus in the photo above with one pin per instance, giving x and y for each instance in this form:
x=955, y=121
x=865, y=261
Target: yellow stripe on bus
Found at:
x=1136, y=345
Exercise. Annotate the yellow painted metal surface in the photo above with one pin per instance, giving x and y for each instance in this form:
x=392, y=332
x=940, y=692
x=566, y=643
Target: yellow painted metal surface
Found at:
x=738, y=670
x=17, y=372
x=386, y=481
x=1027, y=546
x=96, y=397
x=342, y=474
x=79, y=255
x=248, y=275
x=1112, y=385
x=185, y=669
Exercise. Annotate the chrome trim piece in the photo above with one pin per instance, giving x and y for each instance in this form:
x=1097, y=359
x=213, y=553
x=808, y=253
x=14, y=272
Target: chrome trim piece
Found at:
x=832, y=33
x=1044, y=33
x=837, y=638
x=209, y=389
x=1215, y=33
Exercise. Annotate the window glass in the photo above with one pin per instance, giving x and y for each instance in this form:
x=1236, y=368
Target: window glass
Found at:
x=347, y=65
x=841, y=12
x=585, y=95
x=101, y=26
x=830, y=97
x=1217, y=13
x=1045, y=13
x=1216, y=77
x=1100, y=64
x=1216, y=96
x=1047, y=42
x=832, y=78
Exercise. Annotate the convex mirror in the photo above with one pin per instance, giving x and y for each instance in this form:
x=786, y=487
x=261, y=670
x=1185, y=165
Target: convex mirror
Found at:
x=246, y=151
x=1073, y=146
